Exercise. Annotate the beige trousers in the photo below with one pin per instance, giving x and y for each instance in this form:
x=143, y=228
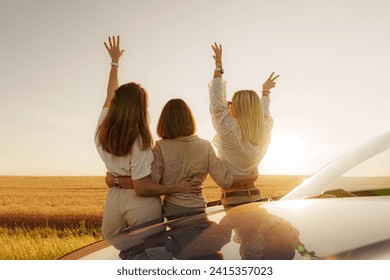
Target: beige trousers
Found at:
x=124, y=209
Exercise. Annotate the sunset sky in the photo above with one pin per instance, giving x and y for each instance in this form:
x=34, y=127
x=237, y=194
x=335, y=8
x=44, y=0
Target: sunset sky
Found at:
x=333, y=59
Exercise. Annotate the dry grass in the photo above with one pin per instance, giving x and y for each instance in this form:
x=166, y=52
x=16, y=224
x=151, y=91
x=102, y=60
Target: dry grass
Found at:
x=43, y=243
x=65, y=201
x=46, y=217
x=55, y=201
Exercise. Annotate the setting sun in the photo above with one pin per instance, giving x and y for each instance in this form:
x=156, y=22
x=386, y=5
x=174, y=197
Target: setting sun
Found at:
x=286, y=153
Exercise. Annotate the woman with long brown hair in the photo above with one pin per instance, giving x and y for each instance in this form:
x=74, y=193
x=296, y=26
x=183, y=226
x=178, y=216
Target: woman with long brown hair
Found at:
x=124, y=142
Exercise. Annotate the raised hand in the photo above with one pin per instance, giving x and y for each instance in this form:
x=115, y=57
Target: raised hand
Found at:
x=113, y=48
x=270, y=82
x=217, y=54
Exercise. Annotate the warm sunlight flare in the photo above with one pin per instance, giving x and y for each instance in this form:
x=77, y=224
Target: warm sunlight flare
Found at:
x=286, y=153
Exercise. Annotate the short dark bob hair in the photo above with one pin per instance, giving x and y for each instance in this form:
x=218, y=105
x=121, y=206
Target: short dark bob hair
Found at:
x=176, y=120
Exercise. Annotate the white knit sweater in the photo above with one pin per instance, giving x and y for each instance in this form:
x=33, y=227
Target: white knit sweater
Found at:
x=240, y=156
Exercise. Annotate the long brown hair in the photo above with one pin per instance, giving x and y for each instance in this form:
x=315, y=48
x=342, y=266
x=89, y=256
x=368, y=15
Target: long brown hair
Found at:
x=176, y=120
x=127, y=121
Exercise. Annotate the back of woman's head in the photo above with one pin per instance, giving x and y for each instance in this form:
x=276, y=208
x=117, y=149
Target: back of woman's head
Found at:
x=176, y=120
x=127, y=121
x=249, y=113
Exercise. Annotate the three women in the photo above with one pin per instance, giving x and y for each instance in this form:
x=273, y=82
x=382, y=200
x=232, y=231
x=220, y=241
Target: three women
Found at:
x=124, y=141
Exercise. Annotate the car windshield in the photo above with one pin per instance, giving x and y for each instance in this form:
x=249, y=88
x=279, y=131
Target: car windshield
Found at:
x=372, y=174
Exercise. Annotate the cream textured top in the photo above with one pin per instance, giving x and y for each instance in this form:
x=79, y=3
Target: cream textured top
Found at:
x=239, y=155
x=185, y=157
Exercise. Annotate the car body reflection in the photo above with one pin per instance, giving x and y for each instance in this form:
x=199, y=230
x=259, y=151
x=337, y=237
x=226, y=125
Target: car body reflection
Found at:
x=341, y=212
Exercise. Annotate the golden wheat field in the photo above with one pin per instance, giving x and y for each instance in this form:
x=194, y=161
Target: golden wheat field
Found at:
x=46, y=217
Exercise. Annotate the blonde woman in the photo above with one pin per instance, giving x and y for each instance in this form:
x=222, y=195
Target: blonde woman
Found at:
x=243, y=129
x=124, y=142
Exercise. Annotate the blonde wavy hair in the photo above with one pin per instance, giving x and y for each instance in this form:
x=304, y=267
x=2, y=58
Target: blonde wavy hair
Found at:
x=248, y=110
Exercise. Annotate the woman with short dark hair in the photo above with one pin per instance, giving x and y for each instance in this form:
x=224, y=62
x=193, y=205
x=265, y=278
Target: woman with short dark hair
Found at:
x=181, y=154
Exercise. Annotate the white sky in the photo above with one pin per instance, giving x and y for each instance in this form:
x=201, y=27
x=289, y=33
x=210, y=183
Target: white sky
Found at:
x=332, y=56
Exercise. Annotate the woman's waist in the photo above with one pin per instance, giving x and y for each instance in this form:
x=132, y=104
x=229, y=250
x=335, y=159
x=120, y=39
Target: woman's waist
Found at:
x=249, y=186
x=241, y=168
x=188, y=200
x=129, y=195
x=241, y=192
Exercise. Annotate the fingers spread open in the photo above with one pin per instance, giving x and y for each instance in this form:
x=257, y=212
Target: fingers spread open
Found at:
x=106, y=46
